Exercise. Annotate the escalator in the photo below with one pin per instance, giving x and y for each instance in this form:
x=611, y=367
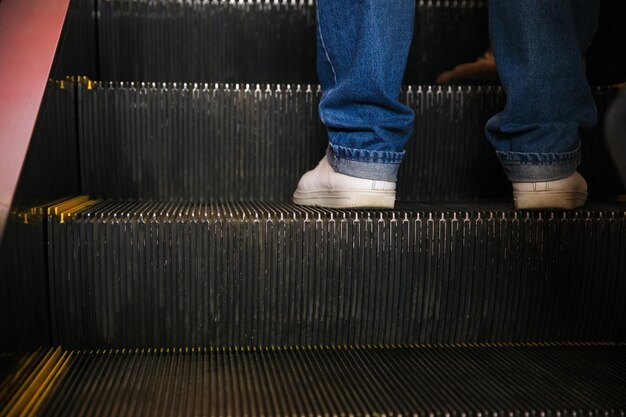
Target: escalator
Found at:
x=154, y=265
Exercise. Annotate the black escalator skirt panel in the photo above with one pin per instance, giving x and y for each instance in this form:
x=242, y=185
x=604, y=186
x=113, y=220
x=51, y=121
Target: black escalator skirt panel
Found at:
x=253, y=142
x=157, y=274
x=565, y=381
x=265, y=41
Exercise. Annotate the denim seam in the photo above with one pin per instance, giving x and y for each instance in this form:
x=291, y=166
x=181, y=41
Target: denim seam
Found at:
x=373, y=157
x=370, y=160
x=541, y=159
x=319, y=29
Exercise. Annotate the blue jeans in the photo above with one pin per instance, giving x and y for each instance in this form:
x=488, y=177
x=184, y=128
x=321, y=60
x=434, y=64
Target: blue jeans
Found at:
x=538, y=44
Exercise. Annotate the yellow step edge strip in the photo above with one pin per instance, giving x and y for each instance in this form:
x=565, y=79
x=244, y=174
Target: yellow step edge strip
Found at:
x=81, y=79
x=73, y=210
x=17, y=397
x=44, y=375
x=23, y=367
x=47, y=386
x=64, y=206
x=73, y=202
x=39, y=384
x=43, y=209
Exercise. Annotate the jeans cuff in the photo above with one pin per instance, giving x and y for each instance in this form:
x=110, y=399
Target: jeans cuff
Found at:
x=533, y=167
x=371, y=165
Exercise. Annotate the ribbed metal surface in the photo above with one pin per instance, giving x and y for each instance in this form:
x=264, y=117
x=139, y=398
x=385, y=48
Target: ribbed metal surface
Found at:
x=447, y=33
x=251, y=142
x=10, y=377
x=77, y=52
x=50, y=170
x=404, y=382
x=155, y=274
x=267, y=41
x=28, y=380
x=24, y=308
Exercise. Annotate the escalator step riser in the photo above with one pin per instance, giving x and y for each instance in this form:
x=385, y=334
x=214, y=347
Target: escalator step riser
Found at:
x=249, y=143
x=154, y=274
x=78, y=51
x=245, y=41
x=50, y=171
x=515, y=382
x=24, y=306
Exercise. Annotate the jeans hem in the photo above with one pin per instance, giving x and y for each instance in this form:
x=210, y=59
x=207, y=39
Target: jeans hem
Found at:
x=533, y=167
x=354, y=162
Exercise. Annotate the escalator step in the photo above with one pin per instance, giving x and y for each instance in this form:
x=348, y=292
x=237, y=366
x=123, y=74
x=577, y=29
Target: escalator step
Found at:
x=24, y=308
x=255, y=41
x=251, y=142
x=26, y=380
x=520, y=381
x=77, y=51
x=158, y=274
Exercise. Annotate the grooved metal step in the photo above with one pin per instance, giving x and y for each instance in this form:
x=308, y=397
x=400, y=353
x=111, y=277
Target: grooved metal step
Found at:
x=517, y=381
x=158, y=274
x=251, y=142
x=243, y=40
x=26, y=380
x=24, y=299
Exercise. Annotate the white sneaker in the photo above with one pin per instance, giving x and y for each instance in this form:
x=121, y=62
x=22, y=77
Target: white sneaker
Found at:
x=566, y=193
x=324, y=187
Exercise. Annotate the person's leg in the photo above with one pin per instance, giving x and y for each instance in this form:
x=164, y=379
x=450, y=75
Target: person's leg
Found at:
x=363, y=47
x=362, y=51
x=539, y=46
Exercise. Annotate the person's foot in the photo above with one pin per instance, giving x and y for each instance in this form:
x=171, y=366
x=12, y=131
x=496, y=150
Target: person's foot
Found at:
x=483, y=69
x=566, y=193
x=324, y=187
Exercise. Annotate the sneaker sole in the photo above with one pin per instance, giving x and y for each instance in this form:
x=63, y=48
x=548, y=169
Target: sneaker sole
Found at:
x=537, y=200
x=346, y=199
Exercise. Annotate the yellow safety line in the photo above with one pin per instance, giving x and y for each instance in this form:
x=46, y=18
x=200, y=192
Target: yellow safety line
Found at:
x=17, y=403
x=46, y=387
x=16, y=398
x=66, y=214
x=33, y=391
x=42, y=209
x=23, y=367
x=86, y=81
x=67, y=205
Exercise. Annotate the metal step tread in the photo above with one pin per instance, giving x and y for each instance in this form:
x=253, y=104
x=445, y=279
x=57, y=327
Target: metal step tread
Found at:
x=163, y=209
x=231, y=41
x=508, y=380
x=248, y=142
x=157, y=273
